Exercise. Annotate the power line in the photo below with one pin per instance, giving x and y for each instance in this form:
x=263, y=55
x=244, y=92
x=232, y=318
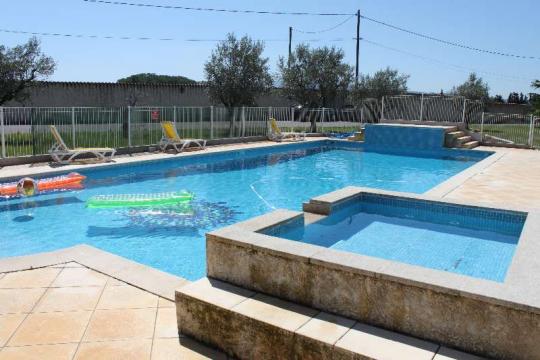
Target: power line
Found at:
x=327, y=29
x=446, y=42
x=432, y=60
x=174, y=7
x=109, y=37
x=145, y=38
x=264, y=12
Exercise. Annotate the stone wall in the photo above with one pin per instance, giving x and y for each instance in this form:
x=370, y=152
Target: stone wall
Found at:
x=59, y=94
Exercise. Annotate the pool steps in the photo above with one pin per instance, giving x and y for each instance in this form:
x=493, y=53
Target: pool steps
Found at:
x=250, y=325
x=459, y=139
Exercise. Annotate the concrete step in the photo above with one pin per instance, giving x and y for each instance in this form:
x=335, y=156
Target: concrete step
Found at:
x=456, y=134
x=451, y=129
x=470, y=145
x=463, y=139
x=249, y=325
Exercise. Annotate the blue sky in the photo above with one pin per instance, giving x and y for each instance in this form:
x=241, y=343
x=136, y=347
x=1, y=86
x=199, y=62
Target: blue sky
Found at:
x=506, y=26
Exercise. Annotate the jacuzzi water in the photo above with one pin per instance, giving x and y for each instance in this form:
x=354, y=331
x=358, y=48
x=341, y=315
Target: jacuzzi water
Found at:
x=228, y=187
x=469, y=241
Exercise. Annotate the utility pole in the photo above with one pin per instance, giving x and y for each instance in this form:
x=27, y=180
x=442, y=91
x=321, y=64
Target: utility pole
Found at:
x=357, y=44
x=290, y=45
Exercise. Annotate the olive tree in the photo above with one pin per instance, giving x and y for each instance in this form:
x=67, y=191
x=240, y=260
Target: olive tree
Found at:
x=237, y=73
x=315, y=77
x=474, y=88
x=20, y=66
x=384, y=82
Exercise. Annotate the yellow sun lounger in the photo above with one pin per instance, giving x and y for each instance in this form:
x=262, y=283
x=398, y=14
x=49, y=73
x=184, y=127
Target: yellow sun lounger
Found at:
x=277, y=135
x=171, y=138
x=62, y=154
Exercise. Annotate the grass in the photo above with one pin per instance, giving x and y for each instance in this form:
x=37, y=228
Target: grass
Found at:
x=517, y=133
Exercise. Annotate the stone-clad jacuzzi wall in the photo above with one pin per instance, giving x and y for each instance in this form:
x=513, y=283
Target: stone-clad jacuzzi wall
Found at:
x=370, y=291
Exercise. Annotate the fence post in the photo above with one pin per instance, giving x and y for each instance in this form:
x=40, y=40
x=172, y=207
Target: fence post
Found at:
x=482, y=128
x=292, y=114
x=362, y=113
x=73, y=126
x=531, y=132
x=464, y=107
x=3, y=132
x=129, y=126
x=174, y=115
x=201, y=122
x=243, y=120
x=421, y=106
x=212, y=122
x=382, y=109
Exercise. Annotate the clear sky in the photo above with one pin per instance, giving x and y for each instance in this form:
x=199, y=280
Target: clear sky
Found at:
x=500, y=25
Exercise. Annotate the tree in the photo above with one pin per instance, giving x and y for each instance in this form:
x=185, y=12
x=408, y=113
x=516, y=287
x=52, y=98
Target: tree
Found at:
x=151, y=78
x=315, y=77
x=473, y=89
x=385, y=82
x=515, y=98
x=20, y=66
x=498, y=99
x=237, y=73
x=535, y=98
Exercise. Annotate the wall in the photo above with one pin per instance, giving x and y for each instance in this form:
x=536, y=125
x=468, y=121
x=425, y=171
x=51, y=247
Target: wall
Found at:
x=53, y=94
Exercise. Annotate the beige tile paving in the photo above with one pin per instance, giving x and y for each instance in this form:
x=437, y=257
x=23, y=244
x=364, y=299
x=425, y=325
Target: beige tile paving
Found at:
x=39, y=352
x=512, y=180
x=121, y=324
x=51, y=328
x=67, y=311
x=126, y=297
x=37, y=278
x=115, y=350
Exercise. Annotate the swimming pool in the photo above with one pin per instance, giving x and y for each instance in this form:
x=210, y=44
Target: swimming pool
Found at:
x=229, y=187
x=465, y=240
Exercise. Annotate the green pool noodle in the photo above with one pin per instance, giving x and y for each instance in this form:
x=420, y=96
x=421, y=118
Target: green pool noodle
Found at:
x=138, y=200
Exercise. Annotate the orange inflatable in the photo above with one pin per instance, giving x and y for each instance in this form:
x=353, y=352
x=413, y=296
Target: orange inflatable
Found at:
x=69, y=181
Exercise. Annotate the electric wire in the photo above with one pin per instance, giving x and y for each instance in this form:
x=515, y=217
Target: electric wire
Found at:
x=327, y=29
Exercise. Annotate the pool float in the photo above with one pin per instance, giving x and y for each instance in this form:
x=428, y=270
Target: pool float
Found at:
x=28, y=186
x=135, y=200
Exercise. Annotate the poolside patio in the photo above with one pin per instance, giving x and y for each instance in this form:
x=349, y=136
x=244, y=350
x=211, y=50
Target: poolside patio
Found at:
x=71, y=311
x=68, y=311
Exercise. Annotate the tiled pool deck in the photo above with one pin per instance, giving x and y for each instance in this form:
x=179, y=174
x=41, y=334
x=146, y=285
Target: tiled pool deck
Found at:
x=68, y=311
x=88, y=314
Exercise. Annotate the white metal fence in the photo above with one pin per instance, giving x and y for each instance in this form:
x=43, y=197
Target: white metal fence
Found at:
x=491, y=128
x=25, y=130
x=508, y=129
x=453, y=109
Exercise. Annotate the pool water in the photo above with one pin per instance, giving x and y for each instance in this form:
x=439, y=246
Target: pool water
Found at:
x=228, y=187
x=468, y=241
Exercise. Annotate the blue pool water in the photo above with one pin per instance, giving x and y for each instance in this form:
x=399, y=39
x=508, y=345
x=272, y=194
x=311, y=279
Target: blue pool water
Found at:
x=468, y=241
x=229, y=187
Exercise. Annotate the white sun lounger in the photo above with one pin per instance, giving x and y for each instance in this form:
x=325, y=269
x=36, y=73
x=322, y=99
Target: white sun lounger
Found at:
x=62, y=154
x=171, y=138
x=277, y=135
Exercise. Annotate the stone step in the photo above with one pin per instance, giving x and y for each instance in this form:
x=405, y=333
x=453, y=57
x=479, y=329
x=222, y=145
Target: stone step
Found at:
x=463, y=139
x=249, y=325
x=451, y=129
x=470, y=145
x=455, y=134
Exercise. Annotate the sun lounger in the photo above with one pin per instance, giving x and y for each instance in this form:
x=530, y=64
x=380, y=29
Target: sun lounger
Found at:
x=277, y=135
x=62, y=154
x=171, y=138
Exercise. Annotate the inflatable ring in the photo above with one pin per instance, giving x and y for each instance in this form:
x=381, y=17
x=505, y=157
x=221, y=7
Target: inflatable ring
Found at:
x=27, y=187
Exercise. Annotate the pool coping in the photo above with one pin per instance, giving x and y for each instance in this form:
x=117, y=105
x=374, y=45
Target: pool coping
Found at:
x=519, y=290
x=141, y=276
